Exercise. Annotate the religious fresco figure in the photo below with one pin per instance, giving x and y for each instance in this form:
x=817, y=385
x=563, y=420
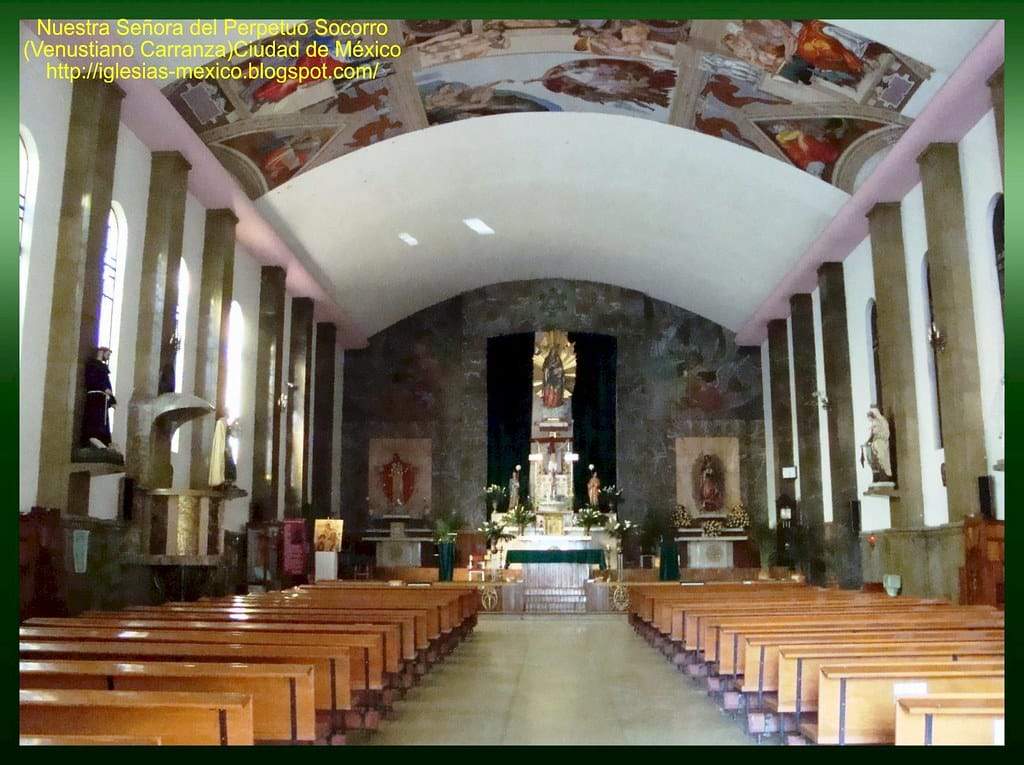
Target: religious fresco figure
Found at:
x=875, y=451
x=99, y=399
x=554, y=380
x=397, y=480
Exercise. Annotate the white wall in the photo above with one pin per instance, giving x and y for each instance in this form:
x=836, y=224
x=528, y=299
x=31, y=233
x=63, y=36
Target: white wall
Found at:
x=858, y=277
x=45, y=108
x=915, y=245
x=246, y=290
x=982, y=180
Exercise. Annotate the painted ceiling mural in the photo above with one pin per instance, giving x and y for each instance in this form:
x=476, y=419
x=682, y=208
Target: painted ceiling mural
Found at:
x=808, y=93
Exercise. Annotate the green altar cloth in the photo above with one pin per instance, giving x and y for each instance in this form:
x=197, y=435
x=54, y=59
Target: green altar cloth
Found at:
x=590, y=555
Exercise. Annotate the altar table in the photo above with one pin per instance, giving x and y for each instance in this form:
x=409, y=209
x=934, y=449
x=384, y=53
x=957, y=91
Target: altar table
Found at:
x=592, y=556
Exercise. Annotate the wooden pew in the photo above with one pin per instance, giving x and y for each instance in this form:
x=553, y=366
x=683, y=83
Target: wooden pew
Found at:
x=799, y=666
x=959, y=719
x=856, y=704
x=366, y=653
x=332, y=687
x=283, y=702
x=177, y=718
x=88, y=741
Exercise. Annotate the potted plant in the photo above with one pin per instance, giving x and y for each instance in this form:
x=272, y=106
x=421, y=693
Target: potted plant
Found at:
x=764, y=537
x=494, y=532
x=619, y=530
x=521, y=516
x=446, y=528
x=588, y=517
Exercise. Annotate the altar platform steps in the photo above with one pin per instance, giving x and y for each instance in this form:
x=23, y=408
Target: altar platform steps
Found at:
x=556, y=600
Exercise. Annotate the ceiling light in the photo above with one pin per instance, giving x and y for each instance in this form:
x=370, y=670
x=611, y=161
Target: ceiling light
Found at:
x=478, y=226
x=409, y=239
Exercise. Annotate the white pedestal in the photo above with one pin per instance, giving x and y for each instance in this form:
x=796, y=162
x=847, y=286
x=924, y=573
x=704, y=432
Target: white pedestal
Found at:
x=326, y=566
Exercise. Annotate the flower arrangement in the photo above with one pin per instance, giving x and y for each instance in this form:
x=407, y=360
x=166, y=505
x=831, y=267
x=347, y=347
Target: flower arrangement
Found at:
x=611, y=492
x=521, y=516
x=589, y=517
x=620, y=529
x=681, y=518
x=711, y=528
x=495, y=492
x=494, y=532
x=737, y=517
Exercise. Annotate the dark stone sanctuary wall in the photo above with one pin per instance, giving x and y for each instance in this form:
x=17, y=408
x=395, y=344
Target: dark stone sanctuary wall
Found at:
x=678, y=375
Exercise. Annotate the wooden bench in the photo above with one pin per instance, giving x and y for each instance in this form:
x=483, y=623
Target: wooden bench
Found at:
x=176, y=718
x=332, y=688
x=88, y=741
x=960, y=719
x=366, y=667
x=283, y=702
x=856, y=704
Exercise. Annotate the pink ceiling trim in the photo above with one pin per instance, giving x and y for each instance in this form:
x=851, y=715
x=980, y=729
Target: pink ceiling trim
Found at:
x=955, y=109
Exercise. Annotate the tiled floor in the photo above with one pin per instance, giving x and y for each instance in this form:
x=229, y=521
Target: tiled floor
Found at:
x=583, y=679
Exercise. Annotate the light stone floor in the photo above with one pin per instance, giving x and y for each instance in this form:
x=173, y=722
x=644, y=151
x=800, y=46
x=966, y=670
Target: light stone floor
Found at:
x=585, y=679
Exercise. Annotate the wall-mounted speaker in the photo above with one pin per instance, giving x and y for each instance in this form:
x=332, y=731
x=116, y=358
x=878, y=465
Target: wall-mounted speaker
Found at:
x=985, y=501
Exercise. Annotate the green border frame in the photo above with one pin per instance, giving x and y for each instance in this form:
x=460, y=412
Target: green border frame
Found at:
x=1012, y=12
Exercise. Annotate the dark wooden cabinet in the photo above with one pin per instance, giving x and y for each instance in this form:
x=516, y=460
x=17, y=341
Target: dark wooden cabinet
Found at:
x=983, y=576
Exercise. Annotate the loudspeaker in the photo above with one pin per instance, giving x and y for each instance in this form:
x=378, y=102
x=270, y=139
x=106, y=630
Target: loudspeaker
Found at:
x=855, y=516
x=985, y=502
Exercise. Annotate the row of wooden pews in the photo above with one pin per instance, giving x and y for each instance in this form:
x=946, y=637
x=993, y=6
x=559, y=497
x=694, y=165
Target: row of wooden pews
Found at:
x=831, y=666
x=298, y=666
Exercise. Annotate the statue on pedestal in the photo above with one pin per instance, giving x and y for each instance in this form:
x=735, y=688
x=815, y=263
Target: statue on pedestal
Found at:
x=876, y=449
x=593, y=488
x=513, y=488
x=710, y=485
x=99, y=398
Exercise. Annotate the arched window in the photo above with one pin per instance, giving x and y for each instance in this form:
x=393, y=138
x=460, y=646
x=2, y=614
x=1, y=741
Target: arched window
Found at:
x=998, y=234
x=874, y=366
x=933, y=357
x=236, y=342
x=180, y=324
x=110, y=279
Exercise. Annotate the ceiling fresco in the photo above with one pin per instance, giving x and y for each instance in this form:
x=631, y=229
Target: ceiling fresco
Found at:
x=805, y=92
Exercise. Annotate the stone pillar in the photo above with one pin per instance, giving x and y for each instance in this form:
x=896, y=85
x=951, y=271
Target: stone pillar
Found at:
x=215, y=291
x=953, y=303
x=267, y=428
x=995, y=86
x=323, y=423
x=81, y=233
x=782, y=413
x=896, y=359
x=300, y=358
x=808, y=434
x=158, y=301
x=842, y=438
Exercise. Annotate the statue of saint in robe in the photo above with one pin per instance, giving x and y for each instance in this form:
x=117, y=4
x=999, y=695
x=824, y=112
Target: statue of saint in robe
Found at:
x=513, y=489
x=554, y=380
x=99, y=398
x=710, y=485
x=876, y=449
x=593, y=489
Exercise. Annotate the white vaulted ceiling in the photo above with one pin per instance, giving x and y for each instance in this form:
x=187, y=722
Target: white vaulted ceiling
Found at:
x=684, y=217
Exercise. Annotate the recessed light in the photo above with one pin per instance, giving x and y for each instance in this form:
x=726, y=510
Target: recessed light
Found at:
x=478, y=226
x=409, y=239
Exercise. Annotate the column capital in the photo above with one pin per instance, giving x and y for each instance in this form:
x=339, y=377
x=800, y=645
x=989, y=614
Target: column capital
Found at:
x=223, y=214
x=880, y=209
x=830, y=267
x=938, y=148
x=172, y=159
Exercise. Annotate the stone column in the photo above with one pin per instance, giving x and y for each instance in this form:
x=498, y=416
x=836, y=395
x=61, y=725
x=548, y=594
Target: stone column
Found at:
x=81, y=233
x=215, y=291
x=995, y=86
x=896, y=359
x=158, y=301
x=842, y=438
x=782, y=413
x=300, y=358
x=323, y=423
x=267, y=430
x=808, y=434
x=953, y=303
